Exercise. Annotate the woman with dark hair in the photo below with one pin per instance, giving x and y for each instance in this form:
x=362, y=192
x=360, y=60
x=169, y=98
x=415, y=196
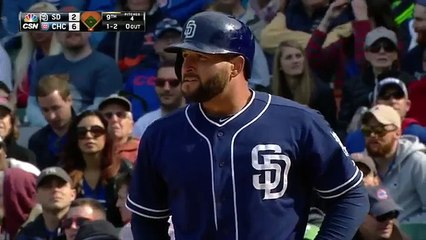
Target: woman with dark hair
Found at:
x=90, y=159
x=292, y=78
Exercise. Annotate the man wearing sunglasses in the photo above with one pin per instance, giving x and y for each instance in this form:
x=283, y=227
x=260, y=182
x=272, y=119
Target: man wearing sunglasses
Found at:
x=117, y=110
x=55, y=194
x=167, y=87
x=400, y=161
x=381, y=222
x=391, y=92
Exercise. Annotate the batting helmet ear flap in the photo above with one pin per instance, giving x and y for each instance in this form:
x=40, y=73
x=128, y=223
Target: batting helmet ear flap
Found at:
x=178, y=65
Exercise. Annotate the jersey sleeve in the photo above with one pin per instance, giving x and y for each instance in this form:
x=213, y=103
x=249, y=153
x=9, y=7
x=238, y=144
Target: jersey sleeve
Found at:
x=148, y=192
x=333, y=172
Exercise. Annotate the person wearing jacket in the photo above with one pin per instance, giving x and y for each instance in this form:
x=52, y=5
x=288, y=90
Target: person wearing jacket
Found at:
x=400, y=161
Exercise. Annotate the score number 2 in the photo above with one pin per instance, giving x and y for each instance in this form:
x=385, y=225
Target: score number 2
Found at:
x=112, y=25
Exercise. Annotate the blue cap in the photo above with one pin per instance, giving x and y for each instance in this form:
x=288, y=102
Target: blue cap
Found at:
x=381, y=202
x=165, y=25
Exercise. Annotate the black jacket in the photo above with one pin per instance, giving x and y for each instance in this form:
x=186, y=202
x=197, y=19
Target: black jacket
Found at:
x=36, y=230
x=39, y=144
x=16, y=151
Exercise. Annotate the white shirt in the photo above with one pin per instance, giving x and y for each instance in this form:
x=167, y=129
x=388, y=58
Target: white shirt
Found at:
x=143, y=122
x=27, y=167
x=5, y=68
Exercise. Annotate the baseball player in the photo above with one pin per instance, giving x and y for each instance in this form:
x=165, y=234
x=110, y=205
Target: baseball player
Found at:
x=236, y=163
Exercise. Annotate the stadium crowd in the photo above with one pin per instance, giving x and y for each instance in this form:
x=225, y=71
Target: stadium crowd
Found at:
x=74, y=105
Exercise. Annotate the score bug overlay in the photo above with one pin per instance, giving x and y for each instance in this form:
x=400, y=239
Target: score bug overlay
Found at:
x=88, y=21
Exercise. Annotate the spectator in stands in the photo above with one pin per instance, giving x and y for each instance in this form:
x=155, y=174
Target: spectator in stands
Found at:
x=366, y=164
x=34, y=47
x=400, y=161
x=9, y=162
x=140, y=79
x=292, y=78
x=17, y=198
x=118, y=111
x=391, y=92
x=381, y=54
x=9, y=132
x=123, y=183
x=260, y=75
x=344, y=59
x=5, y=68
x=55, y=194
x=55, y=101
x=381, y=222
x=93, y=76
x=277, y=31
x=413, y=61
x=98, y=230
x=131, y=48
x=245, y=14
x=92, y=162
x=181, y=10
x=82, y=210
x=167, y=87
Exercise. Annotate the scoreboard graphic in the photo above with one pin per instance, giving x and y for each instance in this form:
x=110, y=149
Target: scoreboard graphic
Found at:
x=89, y=21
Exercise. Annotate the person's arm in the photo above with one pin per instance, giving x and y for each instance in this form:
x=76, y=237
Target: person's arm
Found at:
x=33, y=112
x=337, y=181
x=147, y=199
x=418, y=178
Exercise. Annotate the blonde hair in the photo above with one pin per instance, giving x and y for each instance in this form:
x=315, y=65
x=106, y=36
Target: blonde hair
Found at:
x=27, y=49
x=301, y=92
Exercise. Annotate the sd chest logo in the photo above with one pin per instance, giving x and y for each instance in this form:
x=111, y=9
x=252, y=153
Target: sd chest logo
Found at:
x=274, y=167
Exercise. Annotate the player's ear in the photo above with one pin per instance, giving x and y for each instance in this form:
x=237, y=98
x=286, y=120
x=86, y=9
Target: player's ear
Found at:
x=237, y=65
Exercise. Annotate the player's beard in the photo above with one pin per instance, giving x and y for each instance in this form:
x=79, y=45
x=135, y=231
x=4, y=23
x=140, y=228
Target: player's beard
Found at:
x=381, y=151
x=212, y=87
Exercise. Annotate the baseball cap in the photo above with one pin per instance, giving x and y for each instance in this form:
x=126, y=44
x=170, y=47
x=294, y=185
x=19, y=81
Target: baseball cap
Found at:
x=361, y=158
x=117, y=99
x=386, y=83
x=5, y=103
x=165, y=25
x=384, y=114
x=53, y=171
x=380, y=32
x=97, y=230
x=381, y=202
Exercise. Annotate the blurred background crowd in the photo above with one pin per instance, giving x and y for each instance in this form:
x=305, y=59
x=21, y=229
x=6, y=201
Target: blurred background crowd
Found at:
x=74, y=105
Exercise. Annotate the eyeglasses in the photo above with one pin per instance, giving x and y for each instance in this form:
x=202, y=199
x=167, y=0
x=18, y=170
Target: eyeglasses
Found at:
x=379, y=131
x=387, y=216
x=78, y=221
x=119, y=114
x=395, y=95
x=386, y=45
x=173, y=82
x=96, y=131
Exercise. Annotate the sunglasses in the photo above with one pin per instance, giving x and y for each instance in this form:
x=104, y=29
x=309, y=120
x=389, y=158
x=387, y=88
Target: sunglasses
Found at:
x=386, y=45
x=96, y=131
x=395, y=95
x=173, y=82
x=379, y=131
x=387, y=216
x=120, y=114
x=78, y=221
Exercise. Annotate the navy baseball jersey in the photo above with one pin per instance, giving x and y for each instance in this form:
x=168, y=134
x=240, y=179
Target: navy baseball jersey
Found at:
x=246, y=177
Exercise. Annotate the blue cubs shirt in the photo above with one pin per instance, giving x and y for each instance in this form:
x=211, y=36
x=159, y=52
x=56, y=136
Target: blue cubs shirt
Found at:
x=248, y=177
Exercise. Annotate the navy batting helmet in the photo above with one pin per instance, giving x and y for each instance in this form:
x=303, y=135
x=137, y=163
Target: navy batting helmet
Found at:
x=216, y=33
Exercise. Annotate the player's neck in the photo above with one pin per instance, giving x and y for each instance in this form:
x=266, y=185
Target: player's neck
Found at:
x=77, y=55
x=229, y=102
